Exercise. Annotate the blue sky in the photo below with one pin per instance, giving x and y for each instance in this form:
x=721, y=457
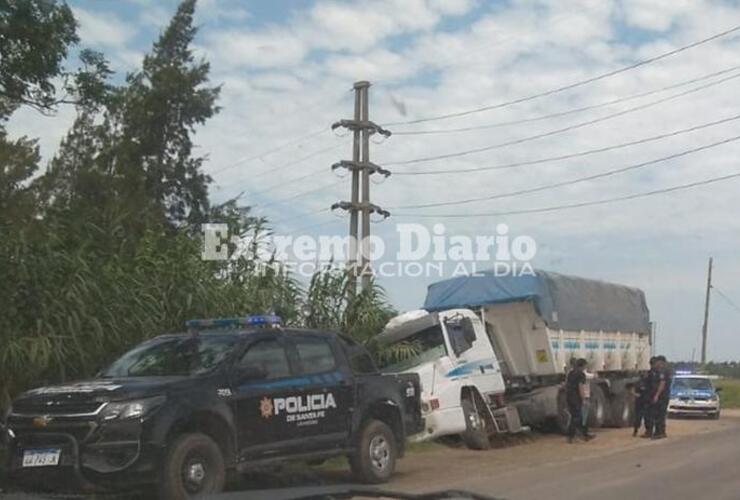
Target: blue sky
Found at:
x=287, y=68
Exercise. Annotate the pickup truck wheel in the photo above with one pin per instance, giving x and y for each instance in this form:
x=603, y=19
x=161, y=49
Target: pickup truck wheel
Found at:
x=193, y=467
x=475, y=436
x=375, y=457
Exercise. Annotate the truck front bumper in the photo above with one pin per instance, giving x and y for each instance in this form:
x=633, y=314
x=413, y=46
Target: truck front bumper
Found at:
x=93, y=456
x=441, y=422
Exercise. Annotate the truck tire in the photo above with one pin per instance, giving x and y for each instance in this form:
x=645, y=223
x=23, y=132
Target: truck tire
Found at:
x=599, y=410
x=475, y=436
x=562, y=421
x=374, y=460
x=622, y=410
x=193, y=467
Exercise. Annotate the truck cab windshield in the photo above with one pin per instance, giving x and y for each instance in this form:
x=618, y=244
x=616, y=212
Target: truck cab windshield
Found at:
x=421, y=347
x=173, y=356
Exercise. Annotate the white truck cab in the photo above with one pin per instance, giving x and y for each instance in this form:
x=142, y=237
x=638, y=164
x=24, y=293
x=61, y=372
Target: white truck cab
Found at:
x=456, y=363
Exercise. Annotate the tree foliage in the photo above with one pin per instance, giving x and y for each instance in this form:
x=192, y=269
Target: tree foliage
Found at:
x=104, y=249
x=35, y=36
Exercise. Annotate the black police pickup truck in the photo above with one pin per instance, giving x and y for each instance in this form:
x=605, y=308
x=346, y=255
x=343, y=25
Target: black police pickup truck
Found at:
x=181, y=411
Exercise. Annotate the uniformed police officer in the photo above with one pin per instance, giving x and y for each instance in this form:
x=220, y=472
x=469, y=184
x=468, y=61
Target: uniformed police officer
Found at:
x=662, y=397
x=641, y=392
x=651, y=384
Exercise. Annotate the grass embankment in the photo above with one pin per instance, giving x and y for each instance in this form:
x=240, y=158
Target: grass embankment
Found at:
x=730, y=395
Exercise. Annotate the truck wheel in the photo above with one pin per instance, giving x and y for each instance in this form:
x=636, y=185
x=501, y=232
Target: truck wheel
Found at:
x=599, y=408
x=622, y=410
x=193, y=467
x=563, y=419
x=475, y=436
x=375, y=457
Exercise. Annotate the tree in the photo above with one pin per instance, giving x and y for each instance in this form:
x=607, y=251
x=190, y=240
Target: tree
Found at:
x=34, y=38
x=157, y=114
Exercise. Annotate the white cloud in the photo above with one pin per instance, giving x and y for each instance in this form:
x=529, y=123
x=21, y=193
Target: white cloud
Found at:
x=100, y=29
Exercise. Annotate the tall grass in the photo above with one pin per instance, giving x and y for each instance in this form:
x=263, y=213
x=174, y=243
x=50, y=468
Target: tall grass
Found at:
x=69, y=305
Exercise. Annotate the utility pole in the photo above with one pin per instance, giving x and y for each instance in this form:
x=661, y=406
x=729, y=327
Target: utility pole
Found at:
x=706, y=316
x=361, y=168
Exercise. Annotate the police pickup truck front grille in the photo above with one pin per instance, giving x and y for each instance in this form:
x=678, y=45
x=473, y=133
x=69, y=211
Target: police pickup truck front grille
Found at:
x=56, y=407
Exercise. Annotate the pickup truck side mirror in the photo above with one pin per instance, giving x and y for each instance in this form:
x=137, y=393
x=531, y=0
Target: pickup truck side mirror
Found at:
x=249, y=373
x=718, y=389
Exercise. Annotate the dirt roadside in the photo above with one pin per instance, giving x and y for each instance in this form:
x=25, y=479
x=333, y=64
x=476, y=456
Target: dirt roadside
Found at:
x=434, y=466
x=433, y=469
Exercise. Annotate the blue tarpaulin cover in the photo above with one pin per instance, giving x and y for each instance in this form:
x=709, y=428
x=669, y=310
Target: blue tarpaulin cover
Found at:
x=564, y=302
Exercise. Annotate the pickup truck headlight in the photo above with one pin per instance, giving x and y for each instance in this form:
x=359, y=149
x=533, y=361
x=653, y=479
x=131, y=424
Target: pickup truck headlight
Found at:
x=135, y=408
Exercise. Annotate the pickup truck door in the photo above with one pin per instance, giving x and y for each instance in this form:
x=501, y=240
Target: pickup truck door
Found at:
x=325, y=394
x=260, y=378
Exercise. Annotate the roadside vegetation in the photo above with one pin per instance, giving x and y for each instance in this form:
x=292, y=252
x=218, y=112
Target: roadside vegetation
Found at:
x=101, y=246
x=730, y=395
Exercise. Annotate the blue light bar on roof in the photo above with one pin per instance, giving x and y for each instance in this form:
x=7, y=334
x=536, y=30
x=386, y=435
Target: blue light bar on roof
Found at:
x=252, y=320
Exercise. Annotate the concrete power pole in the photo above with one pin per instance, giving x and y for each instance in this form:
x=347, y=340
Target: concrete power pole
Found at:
x=361, y=168
x=706, y=315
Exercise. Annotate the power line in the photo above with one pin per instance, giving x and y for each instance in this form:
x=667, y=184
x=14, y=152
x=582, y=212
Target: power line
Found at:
x=294, y=142
x=560, y=114
x=302, y=193
x=299, y=216
x=287, y=182
x=726, y=298
x=570, y=182
x=571, y=85
x=582, y=204
x=563, y=129
x=572, y=155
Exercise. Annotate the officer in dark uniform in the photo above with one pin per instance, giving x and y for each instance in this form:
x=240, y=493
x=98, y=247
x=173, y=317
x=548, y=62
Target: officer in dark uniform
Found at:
x=651, y=382
x=575, y=389
x=642, y=395
x=662, y=396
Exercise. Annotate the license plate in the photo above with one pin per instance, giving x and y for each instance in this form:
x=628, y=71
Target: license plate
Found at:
x=41, y=458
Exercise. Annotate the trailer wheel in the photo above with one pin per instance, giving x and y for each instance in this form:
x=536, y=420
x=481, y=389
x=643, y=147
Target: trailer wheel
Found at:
x=599, y=410
x=622, y=410
x=475, y=436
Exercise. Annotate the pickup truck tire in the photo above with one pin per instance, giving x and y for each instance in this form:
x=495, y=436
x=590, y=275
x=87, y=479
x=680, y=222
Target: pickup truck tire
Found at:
x=193, y=467
x=597, y=414
x=374, y=460
x=475, y=436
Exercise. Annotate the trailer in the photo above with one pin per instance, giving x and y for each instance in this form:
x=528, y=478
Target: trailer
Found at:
x=492, y=352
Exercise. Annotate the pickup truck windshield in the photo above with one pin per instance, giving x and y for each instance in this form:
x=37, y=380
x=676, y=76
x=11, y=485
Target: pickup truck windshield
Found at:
x=426, y=345
x=173, y=356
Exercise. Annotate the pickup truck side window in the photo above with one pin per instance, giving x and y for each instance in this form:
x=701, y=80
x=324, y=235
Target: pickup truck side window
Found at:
x=269, y=356
x=315, y=354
